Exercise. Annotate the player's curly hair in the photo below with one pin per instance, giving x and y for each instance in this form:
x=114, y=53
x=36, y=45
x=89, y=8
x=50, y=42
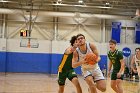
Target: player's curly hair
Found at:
x=73, y=38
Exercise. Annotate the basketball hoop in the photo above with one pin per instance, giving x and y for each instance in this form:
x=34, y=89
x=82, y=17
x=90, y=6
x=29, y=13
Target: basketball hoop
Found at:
x=29, y=42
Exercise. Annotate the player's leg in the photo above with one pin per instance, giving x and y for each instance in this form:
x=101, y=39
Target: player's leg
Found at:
x=138, y=70
x=101, y=85
x=114, y=85
x=89, y=81
x=99, y=79
x=61, y=82
x=113, y=82
x=77, y=84
x=73, y=77
x=61, y=89
x=119, y=86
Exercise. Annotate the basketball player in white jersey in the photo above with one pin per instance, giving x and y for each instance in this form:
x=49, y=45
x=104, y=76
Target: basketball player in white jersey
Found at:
x=136, y=60
x=92, y=73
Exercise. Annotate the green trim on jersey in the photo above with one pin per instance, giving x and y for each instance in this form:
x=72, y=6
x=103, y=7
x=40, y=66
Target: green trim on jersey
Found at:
x=66, y=63
x=63, y=75
x=115, y=58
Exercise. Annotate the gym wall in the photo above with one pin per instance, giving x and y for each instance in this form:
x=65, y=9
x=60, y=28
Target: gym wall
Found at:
x=44, y=59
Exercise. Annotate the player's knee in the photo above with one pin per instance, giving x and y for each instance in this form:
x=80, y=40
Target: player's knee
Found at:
x=75, y=81
x=89, y=82
x=113, y=86
x=103, y=89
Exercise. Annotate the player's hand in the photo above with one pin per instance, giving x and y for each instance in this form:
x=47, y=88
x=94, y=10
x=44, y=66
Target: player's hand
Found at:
x=135, y=71
x=98, y=59
x=119, y=75
x=84, y=61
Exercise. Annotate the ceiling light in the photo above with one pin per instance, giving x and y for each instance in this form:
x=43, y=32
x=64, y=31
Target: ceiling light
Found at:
x=4, y=1
x=80, y=1
x=107, y=3
x=59, y=1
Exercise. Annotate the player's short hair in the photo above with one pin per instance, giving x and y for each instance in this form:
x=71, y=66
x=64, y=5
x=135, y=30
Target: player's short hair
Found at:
x=80, y=35
x=138, y=48
x=73, y=38
x=113, y=41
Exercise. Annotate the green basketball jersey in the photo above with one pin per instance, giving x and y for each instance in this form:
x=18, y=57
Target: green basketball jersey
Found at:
x=115, y=58
x=66, y=63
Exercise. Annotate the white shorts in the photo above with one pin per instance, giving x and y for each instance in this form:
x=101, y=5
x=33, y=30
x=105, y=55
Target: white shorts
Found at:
x=96, y=73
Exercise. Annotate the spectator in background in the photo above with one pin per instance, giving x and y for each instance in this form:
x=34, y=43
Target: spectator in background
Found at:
x=136, y=61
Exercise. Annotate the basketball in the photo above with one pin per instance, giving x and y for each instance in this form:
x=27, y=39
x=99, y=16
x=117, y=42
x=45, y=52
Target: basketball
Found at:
x=90, y=58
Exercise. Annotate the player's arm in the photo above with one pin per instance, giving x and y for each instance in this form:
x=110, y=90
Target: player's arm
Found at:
x=95, y=51
x=109, y=66
x=122, y=66
x=120, y=55
x=75, y=62
x=68, y=50
x=132, y=63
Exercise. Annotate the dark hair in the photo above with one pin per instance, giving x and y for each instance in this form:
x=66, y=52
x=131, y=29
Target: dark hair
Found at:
x=137, y=48
x=113, y=41
x=80, y=35
x=73, y=38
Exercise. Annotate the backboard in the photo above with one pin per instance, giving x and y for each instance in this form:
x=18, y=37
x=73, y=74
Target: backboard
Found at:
x=29, y=42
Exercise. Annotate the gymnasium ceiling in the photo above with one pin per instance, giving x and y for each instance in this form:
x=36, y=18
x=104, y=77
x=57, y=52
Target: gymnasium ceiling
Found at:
x=106, y=9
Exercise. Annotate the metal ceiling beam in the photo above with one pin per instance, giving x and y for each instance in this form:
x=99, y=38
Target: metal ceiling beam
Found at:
x=67, y=14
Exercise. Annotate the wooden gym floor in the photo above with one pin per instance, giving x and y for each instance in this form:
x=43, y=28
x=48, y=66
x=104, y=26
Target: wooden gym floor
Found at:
x=45, y=83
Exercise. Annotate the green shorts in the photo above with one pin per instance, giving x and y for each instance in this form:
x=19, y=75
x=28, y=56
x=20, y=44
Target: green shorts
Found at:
x=63, y=75
x=114, y=76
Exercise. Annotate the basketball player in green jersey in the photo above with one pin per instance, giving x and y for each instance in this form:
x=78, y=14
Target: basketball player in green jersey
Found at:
x=65, y=68
x=116, y=59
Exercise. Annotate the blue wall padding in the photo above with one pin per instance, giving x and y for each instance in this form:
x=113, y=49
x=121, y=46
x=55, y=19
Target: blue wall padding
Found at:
x=28, y=62
x=103, y=62
x=2, y=61
x=55, y=60
x=35, y=62
x=78, y=70
x=137, y=37
x=116, y=31
x=137, y=29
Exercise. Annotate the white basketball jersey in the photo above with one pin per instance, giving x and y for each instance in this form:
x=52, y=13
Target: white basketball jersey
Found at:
x=82, y=55
x=137, y=62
